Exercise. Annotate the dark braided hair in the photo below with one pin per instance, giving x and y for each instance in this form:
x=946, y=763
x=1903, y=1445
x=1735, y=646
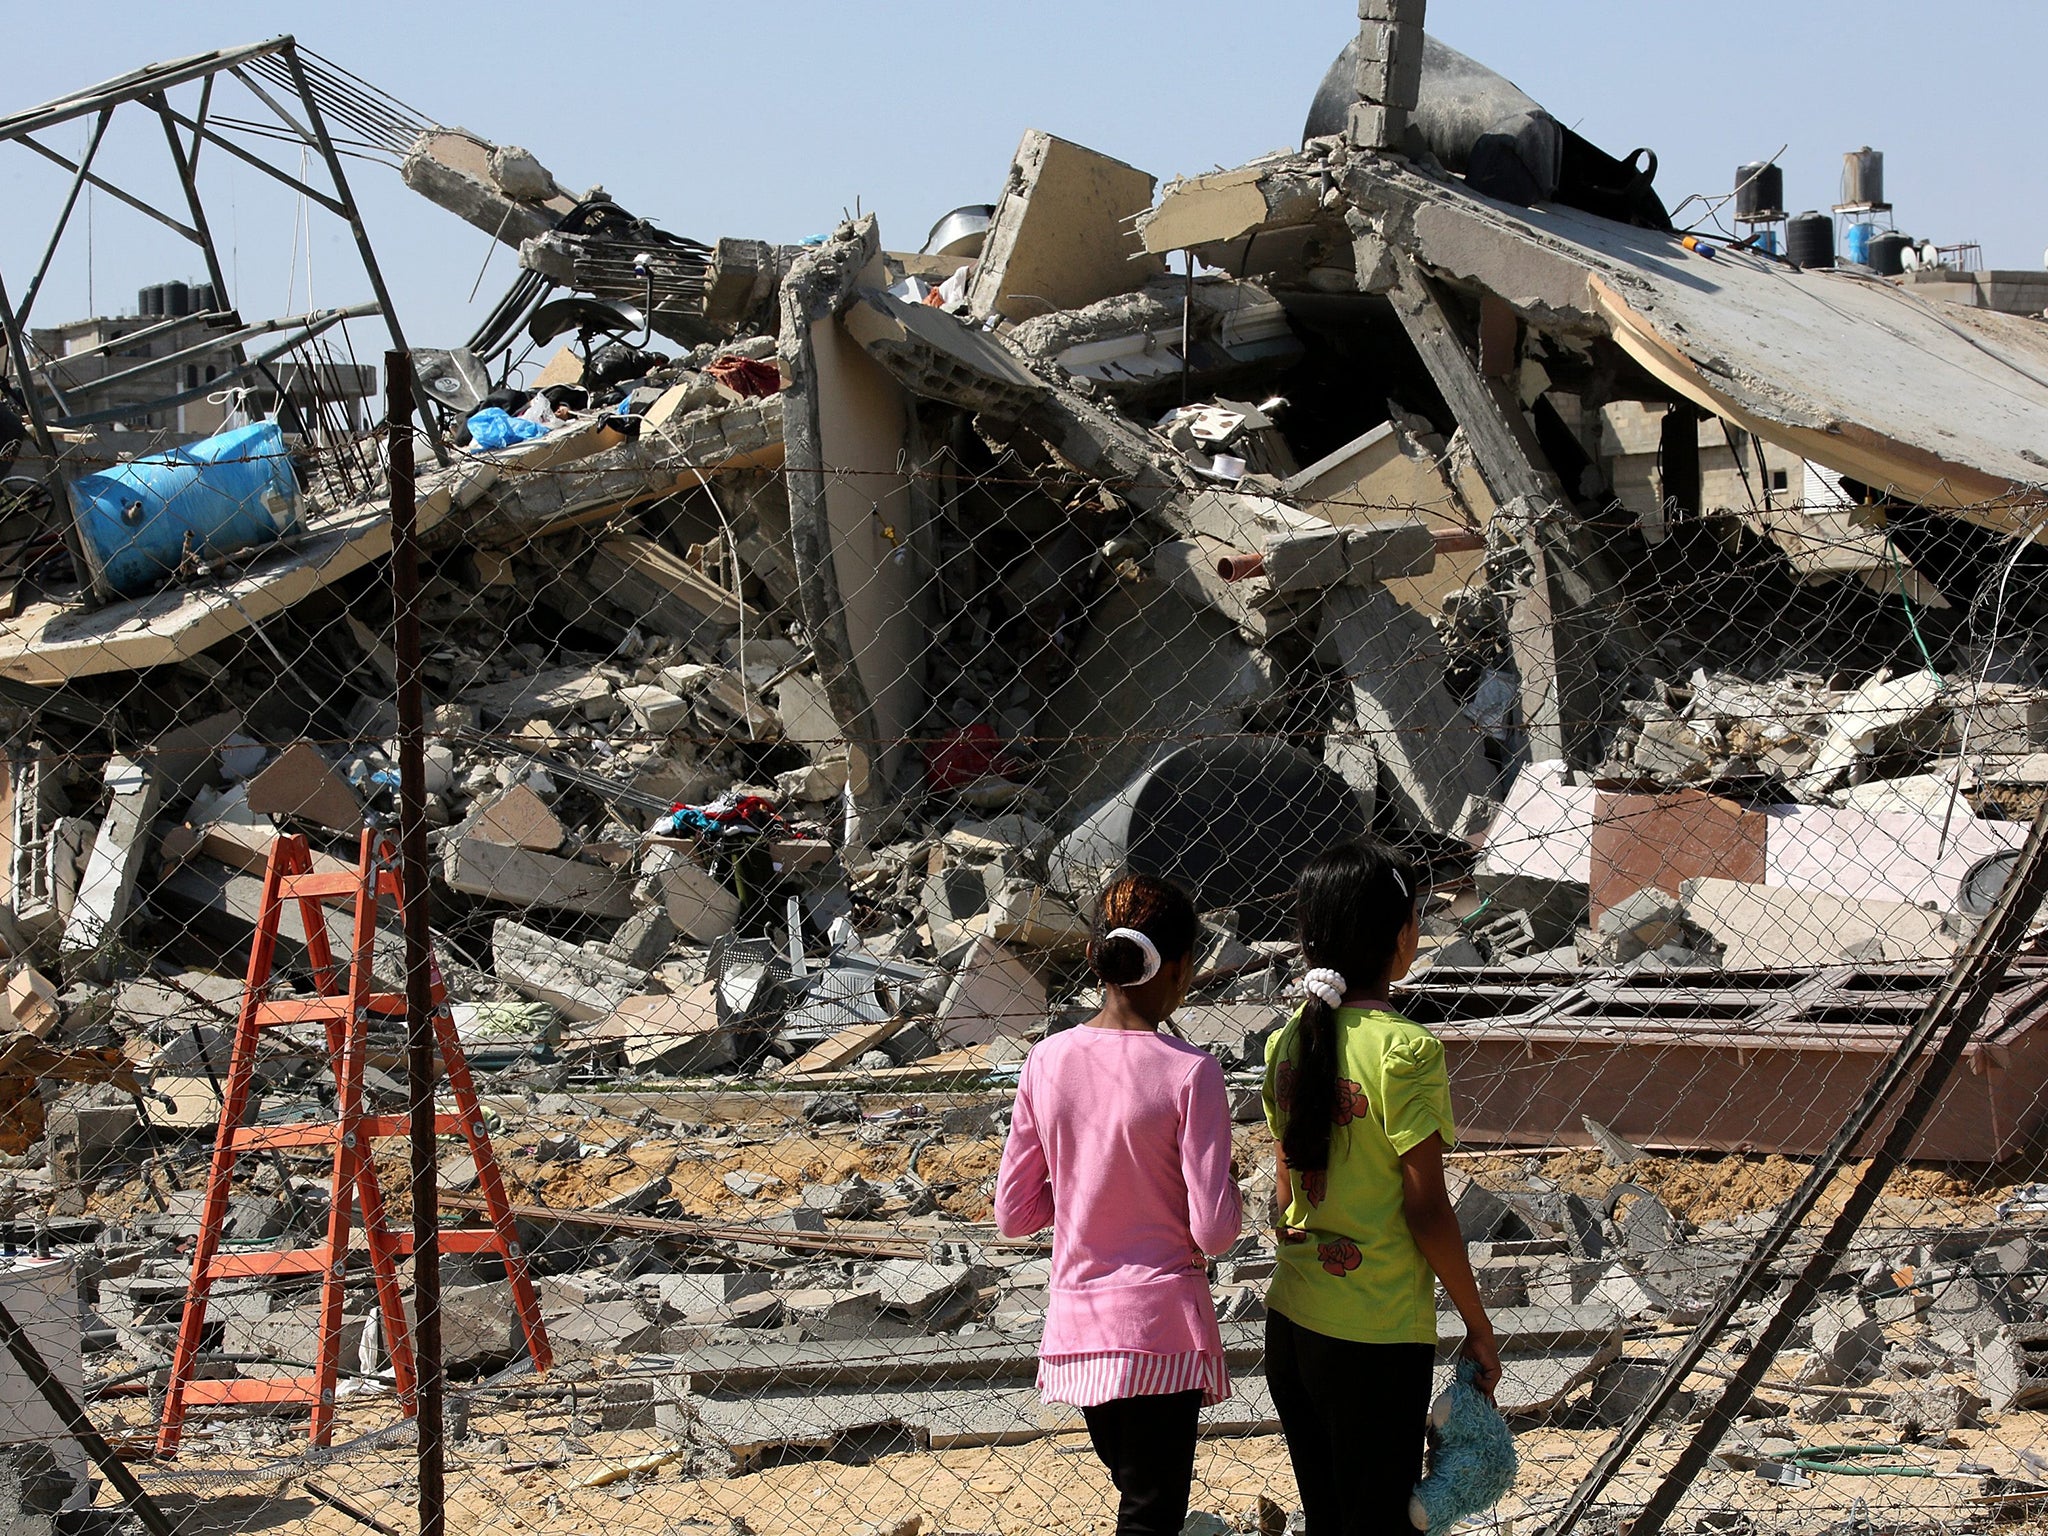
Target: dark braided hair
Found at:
x=1350, y=905
x=1158, y=909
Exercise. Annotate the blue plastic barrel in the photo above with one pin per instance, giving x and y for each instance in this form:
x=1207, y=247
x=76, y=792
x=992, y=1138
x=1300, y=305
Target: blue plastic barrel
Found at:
x=1856, y=246
x=138, y=521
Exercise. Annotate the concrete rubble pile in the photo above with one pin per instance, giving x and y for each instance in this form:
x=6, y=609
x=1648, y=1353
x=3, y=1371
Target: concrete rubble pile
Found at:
x=798, y=670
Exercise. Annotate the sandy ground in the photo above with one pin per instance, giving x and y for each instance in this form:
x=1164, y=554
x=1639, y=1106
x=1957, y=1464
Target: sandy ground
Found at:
x=539, y=1482
x=1051, y=1484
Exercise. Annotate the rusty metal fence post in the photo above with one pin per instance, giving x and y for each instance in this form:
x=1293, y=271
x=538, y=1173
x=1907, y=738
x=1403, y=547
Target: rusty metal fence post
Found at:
x=419, y=1003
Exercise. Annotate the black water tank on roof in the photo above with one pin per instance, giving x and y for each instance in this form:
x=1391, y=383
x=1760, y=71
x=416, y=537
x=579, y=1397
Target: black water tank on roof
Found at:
x=177, y=299
x=203, y=300
x=1888, y=253
x=1810, y=240
x=1759, y=192
x=150, y=301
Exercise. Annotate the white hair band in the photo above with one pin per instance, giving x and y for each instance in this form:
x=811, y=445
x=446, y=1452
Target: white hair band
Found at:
x=1145, y=947
x=1403, y=884
x=1325, y=986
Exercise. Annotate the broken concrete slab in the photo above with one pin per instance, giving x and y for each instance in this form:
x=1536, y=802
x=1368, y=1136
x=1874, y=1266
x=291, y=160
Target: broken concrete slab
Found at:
x=1063, y=233
x=937, y=357
x=299, y=782
x=664, y=590
x=993, y=994
x=519, y=818
x=602, y=1328
x=700, y=907
x=582, y=984
x=479, y=866
x=670, y=1033
x=551, y=695
x=1641, y=842
x=501, y=190
x=1389, y=657
x=2012, y=1367
x=99, y=910
x=1767, y=927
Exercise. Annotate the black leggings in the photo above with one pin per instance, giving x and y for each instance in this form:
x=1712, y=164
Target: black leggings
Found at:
x=1353, y=1415
x=1148, y=1444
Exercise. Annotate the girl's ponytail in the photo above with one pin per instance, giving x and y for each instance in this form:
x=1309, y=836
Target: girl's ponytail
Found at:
x=1314, y=1100
x=1351, y=905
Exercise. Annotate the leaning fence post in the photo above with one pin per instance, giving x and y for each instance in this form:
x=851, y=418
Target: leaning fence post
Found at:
x=53, y=1392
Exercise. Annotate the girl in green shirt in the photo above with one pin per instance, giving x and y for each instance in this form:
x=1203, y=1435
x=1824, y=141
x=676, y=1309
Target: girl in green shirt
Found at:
x=1360, y=1110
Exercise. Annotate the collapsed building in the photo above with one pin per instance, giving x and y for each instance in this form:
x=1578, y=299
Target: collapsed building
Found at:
x=810, y=629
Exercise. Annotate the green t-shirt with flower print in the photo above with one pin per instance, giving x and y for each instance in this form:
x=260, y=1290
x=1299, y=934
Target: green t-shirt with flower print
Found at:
x=1359, y=1276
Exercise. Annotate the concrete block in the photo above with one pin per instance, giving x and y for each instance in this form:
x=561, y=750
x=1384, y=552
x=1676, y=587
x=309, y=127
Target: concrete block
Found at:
x=696, y=1295
x=993, y=995
x=1624, y=1386
x=551, y=696
x=834, y=1314
x=519, y=818
x=293, y=1333
x=32, y=1002
x=99, y=907
x=86, y=1137
x=1962, y=1310
x=254, y=1218
x=1562, y=1282
x=644, y=938
x=1629, y=1294
x=2012, y=1367
x=1482, y=1215
x=1933, y=1411
x=656, y=710
x=479, y=1328
x=933, y=1296
x=626, y=1403
x=1650, y=917
x=1848, y=1344
x=1774, y=927
x=700, y=907
x=1373, y=126
x=1389, y=64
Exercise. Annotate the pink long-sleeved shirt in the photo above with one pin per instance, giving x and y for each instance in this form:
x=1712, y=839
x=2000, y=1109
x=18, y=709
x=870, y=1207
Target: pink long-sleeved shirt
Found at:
x=1121, y=1142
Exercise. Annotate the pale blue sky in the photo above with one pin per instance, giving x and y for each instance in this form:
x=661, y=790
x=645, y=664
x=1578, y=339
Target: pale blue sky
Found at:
x=769, y=119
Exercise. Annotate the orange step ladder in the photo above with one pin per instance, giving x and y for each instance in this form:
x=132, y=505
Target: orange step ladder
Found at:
x=346, y=1000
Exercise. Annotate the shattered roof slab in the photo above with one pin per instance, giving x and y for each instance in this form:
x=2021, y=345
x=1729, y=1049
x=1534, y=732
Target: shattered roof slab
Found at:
x=1929, y=402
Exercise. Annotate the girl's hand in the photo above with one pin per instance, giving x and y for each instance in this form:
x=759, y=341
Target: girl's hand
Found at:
x=1479, y=1347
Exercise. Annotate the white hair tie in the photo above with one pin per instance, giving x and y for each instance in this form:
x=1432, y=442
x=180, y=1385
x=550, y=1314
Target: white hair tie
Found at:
x=1145, y=947
x=1326, y=986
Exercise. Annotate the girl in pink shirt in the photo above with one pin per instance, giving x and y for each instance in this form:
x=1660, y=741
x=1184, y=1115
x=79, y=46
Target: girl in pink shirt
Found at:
x=1120, y=1140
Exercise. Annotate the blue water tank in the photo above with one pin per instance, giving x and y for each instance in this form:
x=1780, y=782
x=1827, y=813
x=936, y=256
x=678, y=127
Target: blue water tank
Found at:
x=1856, y=245
x=140, y=520
x=1767, y=241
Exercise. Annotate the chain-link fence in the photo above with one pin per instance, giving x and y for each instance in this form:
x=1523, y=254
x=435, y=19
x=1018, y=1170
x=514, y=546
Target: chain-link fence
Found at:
x=787, y=700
